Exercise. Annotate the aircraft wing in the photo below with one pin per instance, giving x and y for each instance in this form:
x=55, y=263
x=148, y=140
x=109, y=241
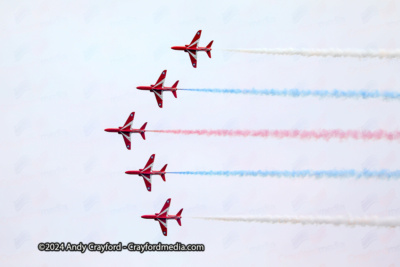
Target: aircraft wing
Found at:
x=163, y=225
x=161, y=79
x=164, y=210
x=127, y=139
x=159, y=97
x=147, y=181
x=149, y=163
x=193, y=57
x=128, y=123
x=195, y=40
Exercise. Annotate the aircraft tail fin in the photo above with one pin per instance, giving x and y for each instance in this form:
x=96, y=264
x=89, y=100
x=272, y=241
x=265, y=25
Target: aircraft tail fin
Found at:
x=143, y=128
x=174, y=87
x=175, y=84
x=179, y=219
x=209, y=46
x=163, y=170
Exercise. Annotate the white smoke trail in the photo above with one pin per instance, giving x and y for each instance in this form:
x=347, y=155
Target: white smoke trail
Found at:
x=324, y=52
x=347, y=221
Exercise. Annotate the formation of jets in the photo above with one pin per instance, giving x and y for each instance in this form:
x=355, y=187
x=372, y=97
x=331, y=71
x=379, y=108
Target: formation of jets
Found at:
x=192, y=49
x=126, y=131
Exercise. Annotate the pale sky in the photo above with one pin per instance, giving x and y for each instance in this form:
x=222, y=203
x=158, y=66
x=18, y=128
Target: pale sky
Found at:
x=69, y=70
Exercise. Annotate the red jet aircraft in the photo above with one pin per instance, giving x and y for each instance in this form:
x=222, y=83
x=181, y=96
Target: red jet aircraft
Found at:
x=126, y=130
x=158, y=88
x=193, y=48
x=146, y=172
x=163, y=216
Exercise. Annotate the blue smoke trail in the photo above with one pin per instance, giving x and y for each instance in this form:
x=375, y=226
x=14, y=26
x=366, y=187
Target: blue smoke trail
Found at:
x=304, y=93
x=303, y=173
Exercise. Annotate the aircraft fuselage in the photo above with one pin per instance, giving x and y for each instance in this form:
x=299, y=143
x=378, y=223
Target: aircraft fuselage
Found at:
x=151, y=88
x=155, y=217
x=148, y=173
x=119, y=130
x=185, y=48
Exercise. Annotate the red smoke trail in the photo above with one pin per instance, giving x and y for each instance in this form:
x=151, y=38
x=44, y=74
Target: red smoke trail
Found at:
x=302, y=134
